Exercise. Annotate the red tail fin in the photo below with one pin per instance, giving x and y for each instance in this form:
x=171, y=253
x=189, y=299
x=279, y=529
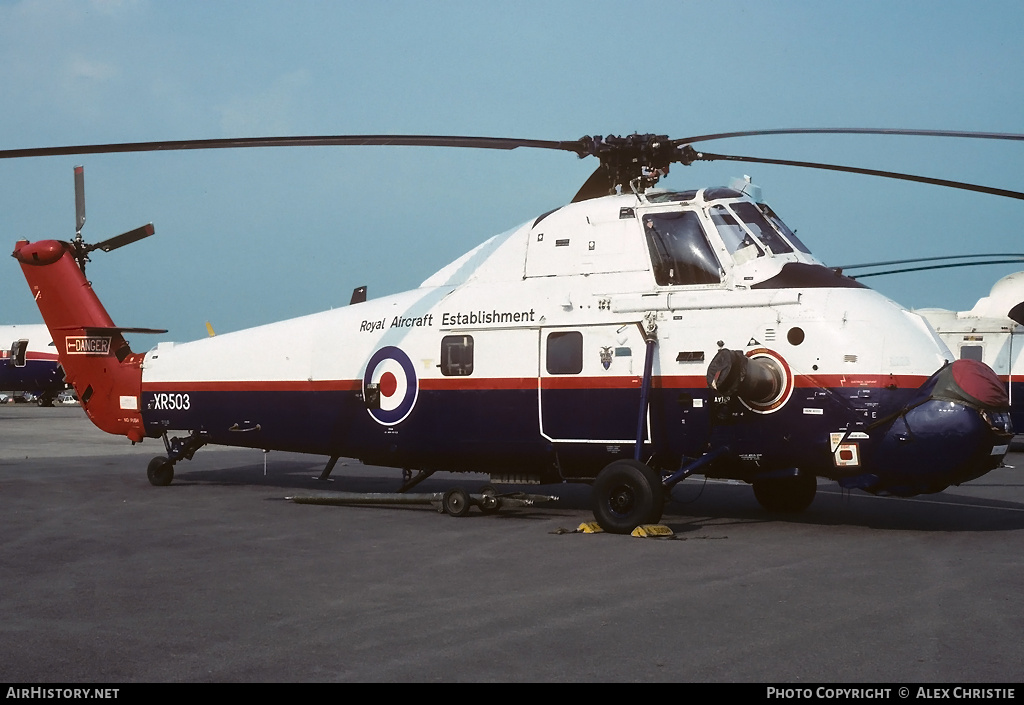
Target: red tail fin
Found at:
x=96, y=358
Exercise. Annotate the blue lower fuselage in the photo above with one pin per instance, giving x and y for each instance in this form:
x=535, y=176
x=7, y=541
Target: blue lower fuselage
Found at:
x=854, y=435
x=34, y=376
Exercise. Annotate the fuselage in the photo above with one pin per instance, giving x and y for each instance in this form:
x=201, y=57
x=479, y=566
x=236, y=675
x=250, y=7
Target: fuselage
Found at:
x=526, y=358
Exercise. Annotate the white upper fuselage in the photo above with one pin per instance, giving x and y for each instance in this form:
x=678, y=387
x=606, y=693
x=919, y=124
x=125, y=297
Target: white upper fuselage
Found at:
x=591, y=266
x=40, y=343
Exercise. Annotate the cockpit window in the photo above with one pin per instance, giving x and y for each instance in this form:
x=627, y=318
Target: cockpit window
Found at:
x=670, y=196
x=680, y=251
x=712, y=194
x=736, y=239
x=782, y=227
x=757, y=224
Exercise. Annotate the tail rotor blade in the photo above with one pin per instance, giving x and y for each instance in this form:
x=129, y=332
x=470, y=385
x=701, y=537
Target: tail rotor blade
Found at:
x=79, y=198
x=124, y=238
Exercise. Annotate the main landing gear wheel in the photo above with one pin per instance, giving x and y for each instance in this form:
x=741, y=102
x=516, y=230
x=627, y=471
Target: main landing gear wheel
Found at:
x=456, y=502
x=627, y=494
x=160, y=471
x=786, y=494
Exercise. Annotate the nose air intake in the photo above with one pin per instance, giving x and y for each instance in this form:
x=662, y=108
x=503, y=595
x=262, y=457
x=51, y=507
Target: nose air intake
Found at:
x=956, y=429
x=973, y=383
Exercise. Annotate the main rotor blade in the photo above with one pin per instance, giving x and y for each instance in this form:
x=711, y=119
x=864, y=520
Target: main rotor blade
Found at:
x=707, y=157
x=915, y=260
x=124, y=239
x=935, y=266
x=575, y=146
x=100, y=330
x=298, y=141
x=853, y=131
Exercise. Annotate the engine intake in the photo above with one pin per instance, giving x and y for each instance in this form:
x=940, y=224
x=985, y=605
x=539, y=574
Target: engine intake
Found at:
x=760, y=378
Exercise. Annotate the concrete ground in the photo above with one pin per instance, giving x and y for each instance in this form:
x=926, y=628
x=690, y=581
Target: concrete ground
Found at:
x=105, y=578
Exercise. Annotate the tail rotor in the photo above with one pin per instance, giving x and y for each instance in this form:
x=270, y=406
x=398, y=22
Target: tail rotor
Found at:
x=82, y=248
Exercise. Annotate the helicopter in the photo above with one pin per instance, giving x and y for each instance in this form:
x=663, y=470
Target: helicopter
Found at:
x=30, y=363
x=629, y=339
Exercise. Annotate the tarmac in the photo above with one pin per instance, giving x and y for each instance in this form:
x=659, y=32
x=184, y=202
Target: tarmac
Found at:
x=218, y=578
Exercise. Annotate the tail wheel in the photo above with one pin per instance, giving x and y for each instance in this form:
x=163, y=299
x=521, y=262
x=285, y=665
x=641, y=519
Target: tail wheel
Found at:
x=160, y=471
x=786, y=494
x=626, y=494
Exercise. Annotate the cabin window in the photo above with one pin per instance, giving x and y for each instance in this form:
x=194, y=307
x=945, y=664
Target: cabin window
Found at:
x=565, y=353
x=972, y=352
x=757, y=224
x=456, y=355
x=680, y=251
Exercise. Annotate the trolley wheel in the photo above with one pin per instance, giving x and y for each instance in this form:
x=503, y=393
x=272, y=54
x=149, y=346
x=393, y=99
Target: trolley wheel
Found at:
x=456, y=502
x=489, y=502
x=160, y=471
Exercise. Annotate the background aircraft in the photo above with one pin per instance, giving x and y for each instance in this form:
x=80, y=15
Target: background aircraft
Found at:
x=28, y=363
x=993, y=332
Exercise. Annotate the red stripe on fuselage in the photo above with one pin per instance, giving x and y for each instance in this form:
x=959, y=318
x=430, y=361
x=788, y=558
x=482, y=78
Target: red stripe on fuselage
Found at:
x=501, y=383
x=353, y=385
x=49, y=357
x=454, y=383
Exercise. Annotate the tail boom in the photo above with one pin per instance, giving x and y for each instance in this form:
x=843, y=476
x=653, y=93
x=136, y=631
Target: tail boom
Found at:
x=96, y=358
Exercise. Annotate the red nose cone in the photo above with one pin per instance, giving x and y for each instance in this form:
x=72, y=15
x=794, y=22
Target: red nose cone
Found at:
x=38, y=253
x=978, y=380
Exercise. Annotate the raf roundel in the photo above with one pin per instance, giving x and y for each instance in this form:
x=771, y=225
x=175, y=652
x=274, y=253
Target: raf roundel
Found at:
x=391, y=370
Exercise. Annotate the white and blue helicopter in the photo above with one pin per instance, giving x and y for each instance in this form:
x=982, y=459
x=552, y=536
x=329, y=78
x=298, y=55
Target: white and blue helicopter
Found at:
x=629, y=339
x=30, y=363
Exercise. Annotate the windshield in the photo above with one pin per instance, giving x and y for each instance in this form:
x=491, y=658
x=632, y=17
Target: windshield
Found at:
x=757, y=224
x=736, y=239
x=782, y=227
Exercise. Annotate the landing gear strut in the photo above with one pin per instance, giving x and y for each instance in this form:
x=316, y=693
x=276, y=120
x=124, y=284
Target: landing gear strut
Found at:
x=628, y=493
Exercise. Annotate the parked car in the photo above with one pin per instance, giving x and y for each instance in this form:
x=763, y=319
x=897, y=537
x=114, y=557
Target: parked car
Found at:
x=67, y=397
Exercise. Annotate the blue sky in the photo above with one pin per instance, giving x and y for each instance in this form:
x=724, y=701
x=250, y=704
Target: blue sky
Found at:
x=252, y=236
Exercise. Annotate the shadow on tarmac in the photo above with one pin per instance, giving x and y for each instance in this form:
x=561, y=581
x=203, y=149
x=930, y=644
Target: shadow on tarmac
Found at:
x=693, y=503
